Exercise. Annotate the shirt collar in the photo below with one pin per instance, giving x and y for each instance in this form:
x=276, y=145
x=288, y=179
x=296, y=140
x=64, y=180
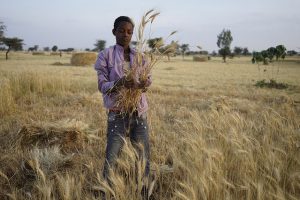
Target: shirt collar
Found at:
x=121, y=49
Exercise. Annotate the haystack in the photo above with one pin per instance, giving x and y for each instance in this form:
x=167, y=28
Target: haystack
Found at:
x=83, y=59
x=67, y=138
x=54, y=53
x=38, y=53
x=200, y=58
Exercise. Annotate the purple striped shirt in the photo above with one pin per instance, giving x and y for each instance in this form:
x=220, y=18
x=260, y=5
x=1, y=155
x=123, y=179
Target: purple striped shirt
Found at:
x=110, y=68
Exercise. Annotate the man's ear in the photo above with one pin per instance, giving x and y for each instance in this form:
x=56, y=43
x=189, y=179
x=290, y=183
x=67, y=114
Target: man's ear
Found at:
x=113, y=32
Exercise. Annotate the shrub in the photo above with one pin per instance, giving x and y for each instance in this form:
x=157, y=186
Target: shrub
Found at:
x=272, y=84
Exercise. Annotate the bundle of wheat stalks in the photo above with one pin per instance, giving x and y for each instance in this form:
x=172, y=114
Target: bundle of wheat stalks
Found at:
x=142, y=65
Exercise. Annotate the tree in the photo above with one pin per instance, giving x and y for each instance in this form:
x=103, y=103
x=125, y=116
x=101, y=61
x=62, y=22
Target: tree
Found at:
x=257, y=57
x=54, y=48
x=170, y=49
x=245, y=51
x=291, y=52
x=224, y=42
x=238, y=50
x=184, y=48
x=46, y=48
x=155, y=43
x=266, y=56
x=70, y=49
x=214, y=53
x=35, y=47
x=271, y=53
x=224, y=52
x=280, y=52
x=134, y=43
x=12, y=44
x=2, y=29
x=100, y=45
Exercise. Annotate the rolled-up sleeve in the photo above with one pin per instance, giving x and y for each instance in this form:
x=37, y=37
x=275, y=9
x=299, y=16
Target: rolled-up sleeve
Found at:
x=149, y=78
x=101, y=66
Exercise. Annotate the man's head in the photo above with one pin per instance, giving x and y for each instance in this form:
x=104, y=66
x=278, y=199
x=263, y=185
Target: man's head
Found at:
x=123, y=29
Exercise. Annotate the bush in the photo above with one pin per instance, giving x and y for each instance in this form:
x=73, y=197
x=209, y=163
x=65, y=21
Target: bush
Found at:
x=272, y=84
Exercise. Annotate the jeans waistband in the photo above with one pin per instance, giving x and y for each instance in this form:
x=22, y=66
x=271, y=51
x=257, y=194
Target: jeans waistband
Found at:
x=119, y=112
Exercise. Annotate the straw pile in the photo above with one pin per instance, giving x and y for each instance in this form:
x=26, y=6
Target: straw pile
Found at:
x=38, y=53
x=200, y=58
x=67, y=137
x=58, y=64
x=54, y=53
x=83, y=59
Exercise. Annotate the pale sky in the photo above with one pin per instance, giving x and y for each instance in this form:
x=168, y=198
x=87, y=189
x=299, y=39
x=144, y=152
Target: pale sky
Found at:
x=256, y=24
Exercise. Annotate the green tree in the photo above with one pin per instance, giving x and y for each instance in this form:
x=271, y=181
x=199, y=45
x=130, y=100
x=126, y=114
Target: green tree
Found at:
x=257, y=57
x=214, y=53
x=271, y=53
x=54, y=48
x=155, y=43
x=99, y=45
x=245, y=51
x=134, y=43
x=184, y=48
x=224, y=52
x=12, y=44
x=266, y=56
x=280, y=52
x=224, y=42
x=292, y=52
x=46, y=48
x=238, y=50
x=36, y=47
x=170, y=49
x=2, y=29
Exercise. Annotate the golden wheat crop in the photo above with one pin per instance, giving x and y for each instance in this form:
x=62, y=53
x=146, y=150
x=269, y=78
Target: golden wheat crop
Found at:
x=213, y=135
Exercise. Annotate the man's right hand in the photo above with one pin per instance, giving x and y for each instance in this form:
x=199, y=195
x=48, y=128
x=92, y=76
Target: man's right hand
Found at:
x=125, y=82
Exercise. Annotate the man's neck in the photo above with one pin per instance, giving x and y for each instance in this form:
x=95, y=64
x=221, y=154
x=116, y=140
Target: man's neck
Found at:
x=126, y=49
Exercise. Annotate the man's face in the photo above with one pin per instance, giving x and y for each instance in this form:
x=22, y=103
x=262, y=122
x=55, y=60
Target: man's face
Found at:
x=123, y=33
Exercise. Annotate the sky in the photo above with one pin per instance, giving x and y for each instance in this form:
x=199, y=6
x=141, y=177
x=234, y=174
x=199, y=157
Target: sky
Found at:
x=255, y=24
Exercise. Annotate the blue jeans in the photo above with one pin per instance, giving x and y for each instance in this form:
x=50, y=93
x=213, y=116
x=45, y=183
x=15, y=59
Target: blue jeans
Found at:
x=118, y=125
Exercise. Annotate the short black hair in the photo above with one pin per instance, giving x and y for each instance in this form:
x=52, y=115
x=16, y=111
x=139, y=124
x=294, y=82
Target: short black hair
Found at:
x=122, y=19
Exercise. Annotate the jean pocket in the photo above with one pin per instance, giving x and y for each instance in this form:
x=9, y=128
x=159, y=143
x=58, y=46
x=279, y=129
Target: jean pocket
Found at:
x=111, y=116
x=144, y=116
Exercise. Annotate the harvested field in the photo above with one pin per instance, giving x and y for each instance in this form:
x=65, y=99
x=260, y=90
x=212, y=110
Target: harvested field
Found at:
x=213, y=134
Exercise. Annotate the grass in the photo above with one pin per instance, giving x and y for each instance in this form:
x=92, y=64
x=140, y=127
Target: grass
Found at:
x=271, y=84
x=213, y=134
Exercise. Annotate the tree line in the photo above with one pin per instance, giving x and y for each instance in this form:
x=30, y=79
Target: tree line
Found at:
x=224, y=40
x=267, y=56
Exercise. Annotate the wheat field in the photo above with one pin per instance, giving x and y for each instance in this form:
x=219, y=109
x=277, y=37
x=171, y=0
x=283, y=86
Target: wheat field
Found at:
x=213, y=134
